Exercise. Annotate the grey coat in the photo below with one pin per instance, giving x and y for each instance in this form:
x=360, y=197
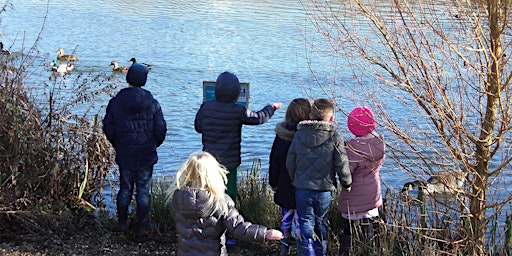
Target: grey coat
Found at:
x=201, y=231
x=316, y=155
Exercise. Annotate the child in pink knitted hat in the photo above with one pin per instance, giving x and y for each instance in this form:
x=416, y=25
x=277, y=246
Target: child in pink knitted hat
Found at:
x=359, y=206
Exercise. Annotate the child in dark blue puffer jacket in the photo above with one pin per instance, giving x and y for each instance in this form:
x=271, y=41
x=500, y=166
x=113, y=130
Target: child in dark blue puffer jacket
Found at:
x=134, y=124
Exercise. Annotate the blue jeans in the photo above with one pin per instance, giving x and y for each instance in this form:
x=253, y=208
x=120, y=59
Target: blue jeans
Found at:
x=313, y=211
x=140, y=179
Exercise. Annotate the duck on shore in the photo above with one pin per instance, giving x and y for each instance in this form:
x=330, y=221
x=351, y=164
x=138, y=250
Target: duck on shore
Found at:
x=64, y=57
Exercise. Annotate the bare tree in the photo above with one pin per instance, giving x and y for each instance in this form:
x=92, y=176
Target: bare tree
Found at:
x=444, y=65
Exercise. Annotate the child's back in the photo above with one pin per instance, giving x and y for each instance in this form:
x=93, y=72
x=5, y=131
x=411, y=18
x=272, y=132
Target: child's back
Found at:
x=203, y=212
x=220, y=123
x=315, y=157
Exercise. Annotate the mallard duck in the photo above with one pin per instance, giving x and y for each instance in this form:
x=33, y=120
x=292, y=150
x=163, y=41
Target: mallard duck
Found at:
x=116, y=68
x=145, y=64
x=62, y=68
x=440, y=183
x=63, y=57
x=4, y=51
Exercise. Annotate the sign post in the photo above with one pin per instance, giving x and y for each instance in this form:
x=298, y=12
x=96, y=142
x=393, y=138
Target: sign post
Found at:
x=209, y=92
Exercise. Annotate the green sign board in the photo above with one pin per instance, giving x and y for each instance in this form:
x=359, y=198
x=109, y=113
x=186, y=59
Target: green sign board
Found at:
x=209, y=92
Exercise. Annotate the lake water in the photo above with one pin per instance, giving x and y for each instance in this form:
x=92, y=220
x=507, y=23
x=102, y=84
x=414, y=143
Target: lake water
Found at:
x=186, y=42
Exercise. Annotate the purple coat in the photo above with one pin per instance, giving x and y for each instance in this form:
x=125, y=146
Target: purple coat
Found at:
x=366, y=155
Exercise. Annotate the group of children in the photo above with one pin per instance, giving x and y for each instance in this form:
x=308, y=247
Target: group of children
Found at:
x=307, y=160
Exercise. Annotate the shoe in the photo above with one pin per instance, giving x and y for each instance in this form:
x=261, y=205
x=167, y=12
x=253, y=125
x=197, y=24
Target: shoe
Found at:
x=147, y=230
x=124, y=226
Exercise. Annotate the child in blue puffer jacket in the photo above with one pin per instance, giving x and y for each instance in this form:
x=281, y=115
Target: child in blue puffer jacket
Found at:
x=134, y=124
x=220, y=123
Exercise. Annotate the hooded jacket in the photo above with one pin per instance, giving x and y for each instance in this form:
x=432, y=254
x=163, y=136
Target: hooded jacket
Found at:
x=220, y=121
x=201, y=232
x=366, y=156
x=135, y=126
x=316, y=155
x=279, y=177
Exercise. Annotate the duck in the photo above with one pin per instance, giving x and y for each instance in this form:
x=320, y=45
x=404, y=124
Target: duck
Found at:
x=62, y=56
x=62, y=68
x=446, y=182
x=4, y=51
x=116, y=68
x=145, y=64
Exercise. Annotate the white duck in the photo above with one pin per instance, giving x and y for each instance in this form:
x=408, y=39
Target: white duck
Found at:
x=62, y=68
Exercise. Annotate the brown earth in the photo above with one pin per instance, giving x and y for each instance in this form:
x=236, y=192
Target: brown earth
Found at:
x=29, y=232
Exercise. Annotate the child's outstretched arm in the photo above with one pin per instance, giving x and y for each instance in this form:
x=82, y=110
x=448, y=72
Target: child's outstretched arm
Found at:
x=262, y=116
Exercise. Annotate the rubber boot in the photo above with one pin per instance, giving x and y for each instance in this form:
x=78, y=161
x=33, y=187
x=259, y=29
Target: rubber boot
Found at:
x=300, y=249
x=307, y=246
x=285, y=246
x=320, y=248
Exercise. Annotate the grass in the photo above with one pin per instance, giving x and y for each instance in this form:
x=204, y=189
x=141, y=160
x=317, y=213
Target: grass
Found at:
x=55, y=157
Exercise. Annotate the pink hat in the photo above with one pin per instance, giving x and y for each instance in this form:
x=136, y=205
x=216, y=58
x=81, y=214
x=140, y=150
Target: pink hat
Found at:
x=361, y=121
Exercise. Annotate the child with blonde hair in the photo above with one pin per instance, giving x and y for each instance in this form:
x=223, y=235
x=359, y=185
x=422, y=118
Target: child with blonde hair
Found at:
x=203, y=212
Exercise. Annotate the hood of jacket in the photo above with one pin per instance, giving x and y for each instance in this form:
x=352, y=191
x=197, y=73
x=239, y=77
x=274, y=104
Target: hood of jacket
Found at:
x=134, y=99
x=227, y=87
x=192, y=203
x=315, y=133
x=286, y=130
x=369, y=148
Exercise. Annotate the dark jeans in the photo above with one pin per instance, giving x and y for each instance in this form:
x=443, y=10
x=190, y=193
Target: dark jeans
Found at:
x=140, y=179
x=313, y=211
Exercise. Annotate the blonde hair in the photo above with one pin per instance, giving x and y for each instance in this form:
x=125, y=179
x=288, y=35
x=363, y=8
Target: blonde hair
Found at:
x=298, y=110
x=202, y=171
x=322, y=109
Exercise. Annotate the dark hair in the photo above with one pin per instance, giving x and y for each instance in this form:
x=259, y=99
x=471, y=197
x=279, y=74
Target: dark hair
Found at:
x=322, y=109
x=298, y=110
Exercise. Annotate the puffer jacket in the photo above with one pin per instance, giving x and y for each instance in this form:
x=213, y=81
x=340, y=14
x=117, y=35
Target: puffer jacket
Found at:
x=134, y=124
x=220, y=122
x=366, y=156
x=201, y=232
x=278, y=176
x=316, y=155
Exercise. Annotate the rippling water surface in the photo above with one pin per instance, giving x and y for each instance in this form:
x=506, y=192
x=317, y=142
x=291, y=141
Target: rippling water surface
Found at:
x=186, y=42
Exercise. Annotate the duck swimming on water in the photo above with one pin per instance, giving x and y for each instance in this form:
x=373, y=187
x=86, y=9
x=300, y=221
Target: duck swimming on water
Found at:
x=64, y=57
x=62, y=68
x=4, y=51
x=116, y=68
x=145, y=64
